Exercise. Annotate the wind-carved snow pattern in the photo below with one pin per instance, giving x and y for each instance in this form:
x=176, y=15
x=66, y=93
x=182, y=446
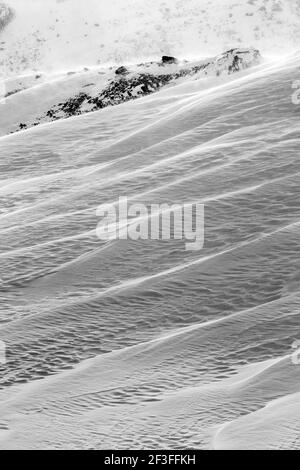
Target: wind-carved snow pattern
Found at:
x=129, y=344
x=141, y=344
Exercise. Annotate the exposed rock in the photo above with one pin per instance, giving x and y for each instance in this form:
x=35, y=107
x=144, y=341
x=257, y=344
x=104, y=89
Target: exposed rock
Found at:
x=169, y=60
x=145, y=79
x=122, y=71
x=72, y=106
x=12, y=92
x=235, y=60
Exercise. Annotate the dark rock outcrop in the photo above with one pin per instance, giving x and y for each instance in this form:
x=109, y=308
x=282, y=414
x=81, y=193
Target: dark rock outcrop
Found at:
x=122, y=71
x=168, y=60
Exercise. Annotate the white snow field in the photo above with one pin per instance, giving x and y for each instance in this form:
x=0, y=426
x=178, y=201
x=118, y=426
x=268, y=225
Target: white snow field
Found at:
x=57, y=35
x=141, y=344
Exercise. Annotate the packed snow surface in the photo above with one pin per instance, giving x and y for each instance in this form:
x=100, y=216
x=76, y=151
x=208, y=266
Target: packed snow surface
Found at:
x=142, y=344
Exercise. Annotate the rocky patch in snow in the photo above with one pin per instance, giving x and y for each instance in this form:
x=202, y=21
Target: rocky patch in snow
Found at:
x=128, y=83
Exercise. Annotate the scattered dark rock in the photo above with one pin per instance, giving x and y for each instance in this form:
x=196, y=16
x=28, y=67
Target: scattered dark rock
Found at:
x=72, y=106
x=236, y=59
x=50, y=113
x=12, y=92
x=132, y=85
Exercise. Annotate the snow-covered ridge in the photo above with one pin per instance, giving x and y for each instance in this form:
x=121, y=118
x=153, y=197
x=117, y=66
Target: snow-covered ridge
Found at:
x=90, y=91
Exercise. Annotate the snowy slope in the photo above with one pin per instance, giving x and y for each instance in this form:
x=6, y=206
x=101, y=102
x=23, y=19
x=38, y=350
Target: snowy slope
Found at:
x=142, y=344
x=50, y=35
x=173, y=349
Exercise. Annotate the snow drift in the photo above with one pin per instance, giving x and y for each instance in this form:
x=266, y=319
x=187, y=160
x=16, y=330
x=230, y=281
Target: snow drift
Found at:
x=172, y=349
x=141, y=344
